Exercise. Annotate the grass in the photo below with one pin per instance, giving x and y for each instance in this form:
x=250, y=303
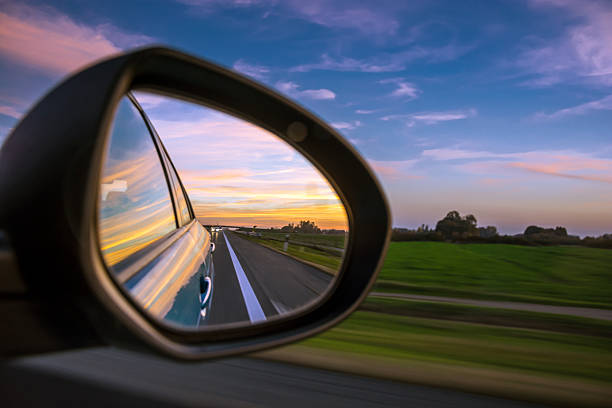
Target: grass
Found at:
x=489, y=316
x=332, y=240
x=575, y=276
x=312, y=255
x=519, y=363
x=470, y=344
x=546, y=358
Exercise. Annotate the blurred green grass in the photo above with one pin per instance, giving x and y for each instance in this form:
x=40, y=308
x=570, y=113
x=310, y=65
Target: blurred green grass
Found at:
x=534, y=356
x=562, y=275
x=490, y=316
x=331, y=240
x=407, y=338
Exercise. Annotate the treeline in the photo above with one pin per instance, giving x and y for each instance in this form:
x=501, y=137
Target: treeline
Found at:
x=455, y=228
x=303, y=227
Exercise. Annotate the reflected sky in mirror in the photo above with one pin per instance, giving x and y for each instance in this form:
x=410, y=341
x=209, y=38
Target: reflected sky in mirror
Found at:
x=238, y=174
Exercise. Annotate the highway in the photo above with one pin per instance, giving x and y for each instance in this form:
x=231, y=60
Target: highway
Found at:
x=253, y=283
x=107, y=377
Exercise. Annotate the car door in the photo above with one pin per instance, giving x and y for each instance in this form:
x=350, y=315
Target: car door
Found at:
x=148, y=235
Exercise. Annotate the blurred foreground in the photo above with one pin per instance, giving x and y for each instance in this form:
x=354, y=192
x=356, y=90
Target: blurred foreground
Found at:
x=553, y=358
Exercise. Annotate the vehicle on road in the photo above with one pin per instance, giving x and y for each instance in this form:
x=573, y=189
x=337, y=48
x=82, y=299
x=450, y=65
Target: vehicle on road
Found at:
x=152, y=196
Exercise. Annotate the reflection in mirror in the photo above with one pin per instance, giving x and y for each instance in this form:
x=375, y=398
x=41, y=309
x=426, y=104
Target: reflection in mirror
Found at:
x=205, y=219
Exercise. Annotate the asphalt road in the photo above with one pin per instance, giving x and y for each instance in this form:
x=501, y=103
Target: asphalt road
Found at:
x=254, y=283
x=107, y=377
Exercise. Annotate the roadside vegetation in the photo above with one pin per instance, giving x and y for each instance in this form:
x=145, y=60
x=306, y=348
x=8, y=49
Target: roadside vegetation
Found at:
x=539, y=357
x=534, y=356
x=557, y=275
x=326, y=261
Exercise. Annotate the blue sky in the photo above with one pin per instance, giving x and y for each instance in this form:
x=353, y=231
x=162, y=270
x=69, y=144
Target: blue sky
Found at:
x=498, y=108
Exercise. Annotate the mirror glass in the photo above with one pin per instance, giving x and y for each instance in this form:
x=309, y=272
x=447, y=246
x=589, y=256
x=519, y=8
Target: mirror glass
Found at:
x=205, y=219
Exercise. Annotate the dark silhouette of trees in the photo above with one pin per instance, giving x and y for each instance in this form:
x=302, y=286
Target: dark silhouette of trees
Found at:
x=534, y=229
x=305, y=226
x=455, y=226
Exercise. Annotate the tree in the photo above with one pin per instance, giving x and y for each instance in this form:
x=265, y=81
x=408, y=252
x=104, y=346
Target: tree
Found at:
x=534, y=229
x=305, y=226
x=453, y=225
x=488, y=232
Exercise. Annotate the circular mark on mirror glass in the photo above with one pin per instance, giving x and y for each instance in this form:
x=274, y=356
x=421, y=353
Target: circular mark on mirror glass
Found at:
x=297, y=131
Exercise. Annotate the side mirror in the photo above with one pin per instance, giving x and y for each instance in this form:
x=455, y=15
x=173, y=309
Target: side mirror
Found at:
x=75, y=246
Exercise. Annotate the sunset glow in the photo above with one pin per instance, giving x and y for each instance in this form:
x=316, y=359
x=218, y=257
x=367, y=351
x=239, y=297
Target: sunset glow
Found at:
x=503, y=111
x=238, y=174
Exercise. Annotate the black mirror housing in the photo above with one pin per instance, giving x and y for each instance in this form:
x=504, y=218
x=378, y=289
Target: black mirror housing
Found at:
x=49, y=171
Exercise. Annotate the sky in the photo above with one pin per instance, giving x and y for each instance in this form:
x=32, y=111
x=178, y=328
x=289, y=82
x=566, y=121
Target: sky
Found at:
x=502, y=109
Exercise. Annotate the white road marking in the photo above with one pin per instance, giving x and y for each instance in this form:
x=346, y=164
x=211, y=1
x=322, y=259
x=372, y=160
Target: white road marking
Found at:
x=254, y=310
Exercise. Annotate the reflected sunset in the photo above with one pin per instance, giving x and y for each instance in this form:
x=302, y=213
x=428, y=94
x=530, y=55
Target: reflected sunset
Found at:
x=238, y=174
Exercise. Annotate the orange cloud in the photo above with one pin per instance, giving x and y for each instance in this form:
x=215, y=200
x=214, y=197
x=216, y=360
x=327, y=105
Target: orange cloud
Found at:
x=55, y=44
x=557, y=169
x=52, y=42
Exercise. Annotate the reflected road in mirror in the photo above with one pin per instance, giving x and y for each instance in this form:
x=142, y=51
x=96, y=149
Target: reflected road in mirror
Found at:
x=254, y=282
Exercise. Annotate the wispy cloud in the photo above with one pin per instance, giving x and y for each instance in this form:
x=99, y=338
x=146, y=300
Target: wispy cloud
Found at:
x=369, y=20
x=292, y=89
x=389, y=62
x=255, y=71
x=10, y=111
x=346, y=125
x=403, y=88
x=582, y=109
x=52, y=42
x=432, y=118
x=395, y=170
x=562, y=163
x=584, y=50
x=365, y=111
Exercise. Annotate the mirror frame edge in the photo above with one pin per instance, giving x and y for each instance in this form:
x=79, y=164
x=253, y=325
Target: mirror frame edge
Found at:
x=118, y=76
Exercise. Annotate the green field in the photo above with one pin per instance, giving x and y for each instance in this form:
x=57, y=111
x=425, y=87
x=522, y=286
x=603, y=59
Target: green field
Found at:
x=470, y=344
x=490, y=316
x=558, y=360
x=540, y=357
x=329, y=263
x=575, y=276
x=331, y=240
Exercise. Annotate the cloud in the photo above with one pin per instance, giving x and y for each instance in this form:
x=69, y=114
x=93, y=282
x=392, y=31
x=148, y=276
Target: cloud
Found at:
x=318, y=94
x=52, y=42
x=346, y=125
x=584, y=50
x=389, y=62
x=148, y=100
x=328, y=63
x=404, y=89
x=394, y=170
x=560, y=163
x=255, y=71
x=432, y=118
x=369, y=20
x=365, y=111
x=582, y=109
x=10, y=111
x=236, y=171
x=292, y=89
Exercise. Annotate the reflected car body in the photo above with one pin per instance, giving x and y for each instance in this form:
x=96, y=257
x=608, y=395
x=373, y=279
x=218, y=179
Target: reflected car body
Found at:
x=149, y=237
